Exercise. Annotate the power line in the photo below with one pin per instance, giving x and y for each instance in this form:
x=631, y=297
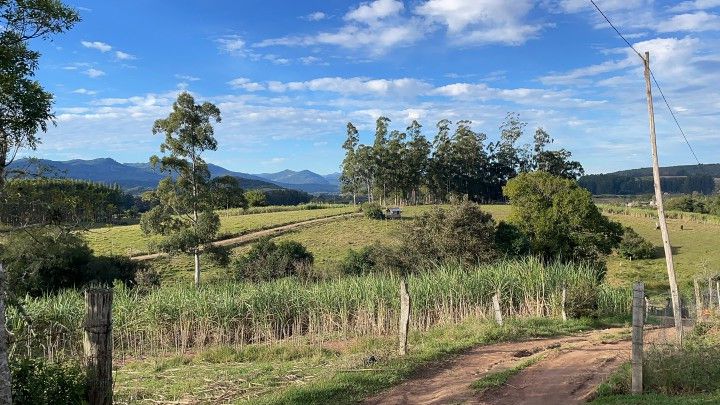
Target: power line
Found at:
x=654, y=80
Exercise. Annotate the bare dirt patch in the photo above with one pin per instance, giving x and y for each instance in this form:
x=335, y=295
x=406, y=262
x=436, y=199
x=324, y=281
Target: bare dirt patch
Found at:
x=568, y=374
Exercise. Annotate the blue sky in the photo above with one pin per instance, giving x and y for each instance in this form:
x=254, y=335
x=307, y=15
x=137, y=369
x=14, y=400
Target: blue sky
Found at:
x=288, y=75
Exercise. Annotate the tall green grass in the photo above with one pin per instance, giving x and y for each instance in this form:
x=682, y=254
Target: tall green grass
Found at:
x=179, y=318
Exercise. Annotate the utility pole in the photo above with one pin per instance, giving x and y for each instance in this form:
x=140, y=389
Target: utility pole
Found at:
x=674, y=294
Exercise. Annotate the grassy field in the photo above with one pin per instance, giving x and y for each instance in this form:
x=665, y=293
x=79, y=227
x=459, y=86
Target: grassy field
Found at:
x=130, y=241
x=315, y=371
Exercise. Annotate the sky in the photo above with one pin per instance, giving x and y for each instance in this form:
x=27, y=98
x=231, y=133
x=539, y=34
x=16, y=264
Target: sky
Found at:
x=289, y=75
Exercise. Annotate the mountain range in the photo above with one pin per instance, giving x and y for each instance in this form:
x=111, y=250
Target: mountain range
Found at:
x=141, y=176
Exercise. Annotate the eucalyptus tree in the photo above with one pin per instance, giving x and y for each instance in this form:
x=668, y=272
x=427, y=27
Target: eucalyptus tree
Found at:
x=350, y=178
x=381, y=174
x=440, y=165
x=418, y=151
x=184, y=212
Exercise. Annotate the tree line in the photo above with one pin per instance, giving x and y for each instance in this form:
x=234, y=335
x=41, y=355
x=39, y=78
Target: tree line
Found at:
x=618, y=184
x=459, y=163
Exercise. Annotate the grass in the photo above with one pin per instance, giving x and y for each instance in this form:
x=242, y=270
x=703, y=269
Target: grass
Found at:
x=499, y=378
x=175, y=319
x=130, y=241
x=315, y=371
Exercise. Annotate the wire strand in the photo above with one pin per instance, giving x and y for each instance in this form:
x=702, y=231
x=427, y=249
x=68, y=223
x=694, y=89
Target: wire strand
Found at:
x=667, y=103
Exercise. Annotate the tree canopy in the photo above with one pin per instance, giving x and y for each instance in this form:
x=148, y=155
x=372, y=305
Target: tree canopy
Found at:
x=560, y=218
x=184, y=203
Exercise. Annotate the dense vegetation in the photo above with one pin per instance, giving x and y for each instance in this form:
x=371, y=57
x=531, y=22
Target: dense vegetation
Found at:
x=175, y=318
x=43, y=201
x=621, y=184
x=695, y=203
x=405, y=166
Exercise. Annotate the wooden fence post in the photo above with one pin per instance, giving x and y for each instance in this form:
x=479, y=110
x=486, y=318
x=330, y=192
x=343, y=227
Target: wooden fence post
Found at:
x=404, y=315
x=698, y=301
x=564, y=298
x=717, y=291
x=710, y=293
x=98, y=344
x=638, y=318
x=647, y=308
x=496, y=308
x=5, y=376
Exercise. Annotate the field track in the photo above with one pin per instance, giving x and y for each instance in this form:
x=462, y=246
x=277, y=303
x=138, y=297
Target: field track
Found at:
x=569, y=372
x=253, y=236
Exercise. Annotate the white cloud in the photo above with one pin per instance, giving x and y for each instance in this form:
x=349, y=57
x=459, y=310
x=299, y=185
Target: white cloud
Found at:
x=574, y=6
x=355, y=85
x=483, y=21
x=231, y=44
x=245, y=84
x=124, y=56
x=693, y=22
x=376, y=26
x=312, y=60
x=695, y=5
x=100, y=46
x=187, y=78
x=581, y=75
x=371, y=13
x=85, y=91
x=316, y=16
x=93, y=73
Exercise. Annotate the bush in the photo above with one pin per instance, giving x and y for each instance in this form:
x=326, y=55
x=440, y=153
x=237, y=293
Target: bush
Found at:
x=147, y=279
x=462, y=233
x=373, y=211
x=510, y=240
x=357, y=262
x=634, y=246
x=48, y=260
x=582, y=300
x=37, y=381
x=374, y=258
x=268, y=260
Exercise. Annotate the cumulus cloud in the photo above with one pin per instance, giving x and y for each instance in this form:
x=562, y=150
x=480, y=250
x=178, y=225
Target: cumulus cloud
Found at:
x=245, y=84
x=100, y=46
x=85, y=91
x=691, y=22
x=93, y=73
x=316, y=16
x=231, y=44
x=124, y=56
x=695, y=5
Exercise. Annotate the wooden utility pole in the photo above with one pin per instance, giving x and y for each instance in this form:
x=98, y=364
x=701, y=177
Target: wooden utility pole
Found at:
x=674, y=294
x=98, y=344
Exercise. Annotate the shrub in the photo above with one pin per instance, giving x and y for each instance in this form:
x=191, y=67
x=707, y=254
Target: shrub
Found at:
x=37, y=381
x=510, y=240
x=48, y=260
x=268, y=260
x=560, y=218
x=373, y=211
x=462, y=233
x=582, y=299
x=358, y=262
x=634, y=246
x=692, y=368
x=147, y=279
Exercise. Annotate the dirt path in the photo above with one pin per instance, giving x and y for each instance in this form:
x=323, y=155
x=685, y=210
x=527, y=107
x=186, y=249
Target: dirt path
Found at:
x=572, y=368
x=253, y=236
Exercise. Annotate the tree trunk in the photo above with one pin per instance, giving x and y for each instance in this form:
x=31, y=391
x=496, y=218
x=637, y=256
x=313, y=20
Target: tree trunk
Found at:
x=5, y=376
x=404, y=316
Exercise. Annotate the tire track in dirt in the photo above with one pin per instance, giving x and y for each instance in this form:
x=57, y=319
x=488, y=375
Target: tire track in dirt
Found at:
x=568, y=374
x=253, y=236
x=570, y=377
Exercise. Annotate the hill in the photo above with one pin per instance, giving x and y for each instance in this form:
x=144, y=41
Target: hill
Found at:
x=133, y=177
x=674, y=179
x=305, y=180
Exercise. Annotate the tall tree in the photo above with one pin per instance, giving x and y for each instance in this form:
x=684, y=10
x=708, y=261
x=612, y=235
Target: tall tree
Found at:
x=440, y=165
x=349, y=176
x=227, y=193
x=25, y=107
x=380, y=152
x=555, y=162
x=418, y=151
x=184, y=214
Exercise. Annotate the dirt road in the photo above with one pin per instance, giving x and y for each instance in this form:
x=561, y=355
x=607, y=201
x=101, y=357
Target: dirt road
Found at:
x=253, y=236
x=569, y=372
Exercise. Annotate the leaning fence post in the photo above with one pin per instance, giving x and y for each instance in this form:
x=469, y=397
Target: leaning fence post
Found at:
x=97, y=344
x=638, y=318
x=404, y=315
x=496, y=308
